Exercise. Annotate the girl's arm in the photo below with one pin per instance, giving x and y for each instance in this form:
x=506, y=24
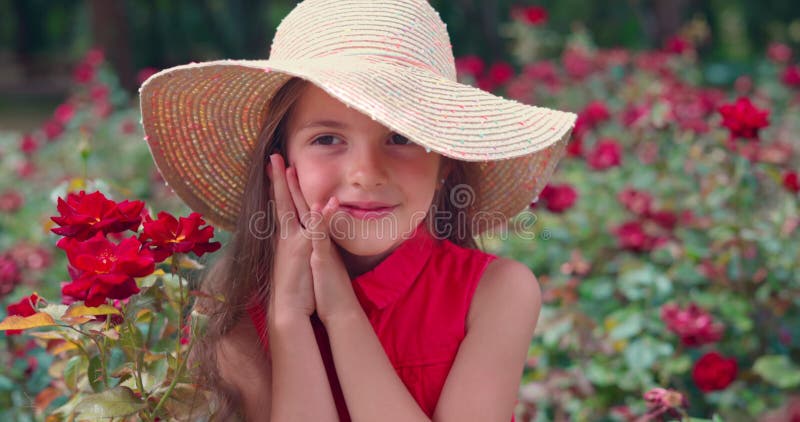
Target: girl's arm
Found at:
x=300, y=388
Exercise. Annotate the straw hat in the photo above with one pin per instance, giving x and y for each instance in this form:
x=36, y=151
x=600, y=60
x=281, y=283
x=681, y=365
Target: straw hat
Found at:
x=389, y=59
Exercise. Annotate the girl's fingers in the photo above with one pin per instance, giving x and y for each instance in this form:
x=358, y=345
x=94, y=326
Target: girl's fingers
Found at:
x=283, y=199
x=297, y=196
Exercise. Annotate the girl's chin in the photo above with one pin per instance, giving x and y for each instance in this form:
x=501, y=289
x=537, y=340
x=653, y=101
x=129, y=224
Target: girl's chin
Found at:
x=366, y=246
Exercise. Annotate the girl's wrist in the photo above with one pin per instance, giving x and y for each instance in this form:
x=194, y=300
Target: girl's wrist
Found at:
x=280, y=318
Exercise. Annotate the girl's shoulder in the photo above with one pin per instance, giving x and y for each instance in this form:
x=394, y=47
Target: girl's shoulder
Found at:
x=504, y=282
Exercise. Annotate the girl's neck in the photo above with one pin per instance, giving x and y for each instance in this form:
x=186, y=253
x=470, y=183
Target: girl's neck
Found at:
x=358, y=264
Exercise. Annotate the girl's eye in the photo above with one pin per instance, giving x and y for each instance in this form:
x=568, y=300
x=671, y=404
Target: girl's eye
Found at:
x=401, y=139
x=324, y=137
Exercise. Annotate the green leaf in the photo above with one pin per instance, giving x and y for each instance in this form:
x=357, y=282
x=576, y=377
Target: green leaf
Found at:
x=778, y=370
x=114, y=403
x=642, y=353
x=72, y=371
x=95, y=374
x=630, y=324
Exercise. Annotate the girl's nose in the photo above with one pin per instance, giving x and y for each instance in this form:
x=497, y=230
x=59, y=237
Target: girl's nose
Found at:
x=367, y=167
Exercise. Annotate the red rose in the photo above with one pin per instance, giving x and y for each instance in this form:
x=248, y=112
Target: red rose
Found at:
x=99, y=93
x=606, y=154
x=631, y=236
x=64, y=113
x=665, y=219
x=743, y=119
x=559, y=198
x=145, y=73
x=167, y=235
x=105, y=270
x=591, y=116
x=11, y=201
x=636, y=201
x=693, y=325
x=500, y=73
x=470, y=65
x=575, y=146
x=83, y=215
x=791, y=182
x=24, y=308
x=28, y=144
x=677, y=45
x=531, y=15
x=714, y=372
x=577, y=63
x=791, y=76
x=52, y=129
x=10, y=274
x=83, y=73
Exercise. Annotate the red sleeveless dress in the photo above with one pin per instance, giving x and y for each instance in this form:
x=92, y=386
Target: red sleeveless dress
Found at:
x=417, y=300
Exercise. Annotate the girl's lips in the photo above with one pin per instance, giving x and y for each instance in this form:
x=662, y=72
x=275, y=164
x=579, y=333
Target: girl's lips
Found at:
x=368, y=213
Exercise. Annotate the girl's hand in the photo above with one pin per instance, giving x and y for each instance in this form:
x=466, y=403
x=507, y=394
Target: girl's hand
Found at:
x=292, y=287
x=333, y=288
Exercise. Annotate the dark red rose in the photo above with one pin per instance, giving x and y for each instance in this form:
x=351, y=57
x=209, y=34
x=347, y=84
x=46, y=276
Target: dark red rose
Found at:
x=105, y=270
x=10, y=274
x=471, y=65
x=559, y=198
x=631, y=236
x=145, y=73
x=24, y=308
x=25, y=169
x=606, y=154
x=575, y=146
x=636, y=201
x=500, y=73
x=168, y=235
x=635, y=115
x=791, y=76
x=791, y=182
x=665, y=219
x=99, y=93
x=743, y=119
x=677, y=45
x=530, y=15
x=83, y=215
x=83, y=73
x=591, y=116
x=94, y=57
x=714, y=372
x=693, y=325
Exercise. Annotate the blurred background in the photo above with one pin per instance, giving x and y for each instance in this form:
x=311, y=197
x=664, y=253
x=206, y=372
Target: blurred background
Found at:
x=40, y=40
x=666, y=244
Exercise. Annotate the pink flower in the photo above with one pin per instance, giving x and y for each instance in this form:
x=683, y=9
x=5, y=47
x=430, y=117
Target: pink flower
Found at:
x=64, y=113
x=693, y=325
x=11, y=201
x=99, y=93
x=52, y=129
x=577, y=63
x=791, y=76
x=779, y=53
x=665, y=219
x=665, y=402
x=10, y=274
x=28, y=144
x=606, y=154
x=636, y=201
x=83, y=73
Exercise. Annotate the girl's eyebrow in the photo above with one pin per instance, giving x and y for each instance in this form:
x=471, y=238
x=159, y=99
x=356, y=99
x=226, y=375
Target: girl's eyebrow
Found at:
x=335, y=124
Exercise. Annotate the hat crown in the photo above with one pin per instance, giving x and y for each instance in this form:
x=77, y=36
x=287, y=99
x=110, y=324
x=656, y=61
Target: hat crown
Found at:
x=408, y=32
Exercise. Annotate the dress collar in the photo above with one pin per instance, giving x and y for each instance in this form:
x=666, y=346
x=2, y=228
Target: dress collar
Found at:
x=393, y=276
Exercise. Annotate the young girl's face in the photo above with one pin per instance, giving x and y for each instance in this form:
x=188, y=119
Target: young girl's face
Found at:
x=338, y=151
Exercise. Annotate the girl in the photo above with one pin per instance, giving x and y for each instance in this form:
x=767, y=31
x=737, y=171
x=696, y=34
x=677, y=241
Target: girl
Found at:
x=354, y=173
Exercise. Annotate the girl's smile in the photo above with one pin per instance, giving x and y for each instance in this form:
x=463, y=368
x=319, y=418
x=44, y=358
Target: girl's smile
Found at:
x=384, y=182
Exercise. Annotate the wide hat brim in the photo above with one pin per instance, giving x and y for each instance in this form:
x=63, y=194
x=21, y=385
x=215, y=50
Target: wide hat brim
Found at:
x=202, y=120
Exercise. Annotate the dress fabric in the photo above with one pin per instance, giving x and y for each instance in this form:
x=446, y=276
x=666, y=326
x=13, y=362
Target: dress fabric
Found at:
x=417, y=300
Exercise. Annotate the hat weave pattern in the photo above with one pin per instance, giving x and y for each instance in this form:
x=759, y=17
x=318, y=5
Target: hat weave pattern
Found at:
x=389, y=59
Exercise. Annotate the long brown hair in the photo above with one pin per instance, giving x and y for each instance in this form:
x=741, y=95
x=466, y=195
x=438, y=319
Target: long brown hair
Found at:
x=241, y=272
